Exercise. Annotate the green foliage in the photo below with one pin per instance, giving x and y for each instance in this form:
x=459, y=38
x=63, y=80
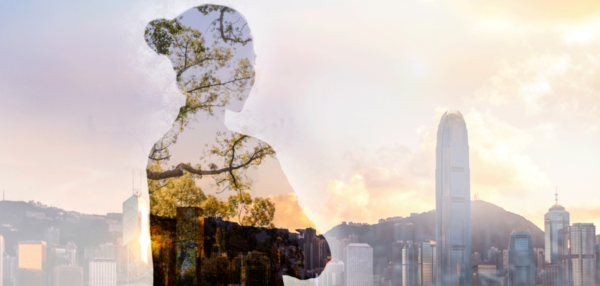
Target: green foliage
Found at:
x=159, y=35
x=167, y=195
x=210, y=76
x=227, y=30
x=261, y=214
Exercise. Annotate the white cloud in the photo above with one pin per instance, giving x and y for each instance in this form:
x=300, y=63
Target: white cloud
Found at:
x=546, y=83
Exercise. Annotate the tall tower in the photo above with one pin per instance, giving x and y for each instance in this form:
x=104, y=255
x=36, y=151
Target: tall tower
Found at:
x=555, y=219
x=359, y=264
x=521, y=265
x=578, y=259
x=1, y=259
x=453, y=202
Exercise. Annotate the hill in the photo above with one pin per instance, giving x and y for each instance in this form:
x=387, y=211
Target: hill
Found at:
x=27, y=221
x=491, y=226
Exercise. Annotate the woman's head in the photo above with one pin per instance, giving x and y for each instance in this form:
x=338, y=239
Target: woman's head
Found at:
x=210, y=48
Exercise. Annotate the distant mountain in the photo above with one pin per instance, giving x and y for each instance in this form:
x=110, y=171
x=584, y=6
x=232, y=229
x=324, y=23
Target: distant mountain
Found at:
x=491, y=226
x=27, y=221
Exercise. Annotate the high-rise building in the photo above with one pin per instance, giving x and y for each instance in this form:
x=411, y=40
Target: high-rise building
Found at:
x=427, y=263
x=484, y=274
x=550, y=275
x=32, y=263
x=410, y=264
x=336, y=249
x=359, y=264
x=521, y=266
x=453, y=202
x=255, y=269
x=310, y=249
x=10, y=270
x=103, y=272
x=71, y=254
x=52, y=236
x=376, y=280
x=333, y=275
x=597, y=248
x=1, y=260
x=505, y=261
x=496, y=258
x=578, y=257
x=540, y=258
x=136, y=241
x=397, y=263
x=108, y=251
x=68, y=276
x=475, y=257
x=555, y=219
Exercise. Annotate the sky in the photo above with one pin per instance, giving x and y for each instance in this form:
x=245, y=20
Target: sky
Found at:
x=347, y=93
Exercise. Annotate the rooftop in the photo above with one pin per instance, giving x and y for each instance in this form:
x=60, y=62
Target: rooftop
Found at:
x=359, y=245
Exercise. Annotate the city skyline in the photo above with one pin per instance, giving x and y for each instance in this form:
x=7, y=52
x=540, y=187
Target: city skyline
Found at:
x=577, y=246
x=528, y=95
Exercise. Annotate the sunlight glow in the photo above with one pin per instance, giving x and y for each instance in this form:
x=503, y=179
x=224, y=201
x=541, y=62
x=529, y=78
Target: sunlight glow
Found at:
x=144, y=237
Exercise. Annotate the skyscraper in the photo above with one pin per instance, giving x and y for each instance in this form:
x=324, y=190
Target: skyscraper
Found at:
x=397, y=263
x=359, y=264
x=1, y=260
x=410, y=264
x=310, y=248
x=52, y=236
x=597, y=251
x=427, y=263
x=136, y=240
x=579, y=257
x=453, y=203
x=333, y=274
x=67, y=276
x=556, y=219
x=103, y=272
x=521, y=265
x=32, y=263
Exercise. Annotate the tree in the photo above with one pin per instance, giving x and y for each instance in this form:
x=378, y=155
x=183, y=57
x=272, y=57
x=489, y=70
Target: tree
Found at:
x=199, y=65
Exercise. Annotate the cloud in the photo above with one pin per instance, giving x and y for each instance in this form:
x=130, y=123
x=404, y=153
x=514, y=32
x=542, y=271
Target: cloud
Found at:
x=288, y=214
x=533, y=12
x=396, y=180
x=499, y=162
x=551, y=83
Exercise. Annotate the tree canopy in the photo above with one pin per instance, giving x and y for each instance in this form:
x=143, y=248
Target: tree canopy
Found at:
x=211, y=76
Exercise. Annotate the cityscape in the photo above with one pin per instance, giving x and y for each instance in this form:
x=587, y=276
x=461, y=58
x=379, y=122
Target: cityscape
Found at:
x=433, y=248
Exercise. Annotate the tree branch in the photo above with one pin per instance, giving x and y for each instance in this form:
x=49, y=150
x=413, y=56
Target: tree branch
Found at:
x=218, y=84
x=179, y=170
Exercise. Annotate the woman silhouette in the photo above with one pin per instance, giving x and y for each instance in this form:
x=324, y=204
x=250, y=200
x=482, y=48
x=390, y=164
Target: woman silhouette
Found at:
x=210, y=48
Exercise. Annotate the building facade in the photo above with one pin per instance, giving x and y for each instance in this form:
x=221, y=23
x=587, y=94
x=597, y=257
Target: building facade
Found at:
x=68, y=276
x=578, y=257
x=32, y=263
x=359, y=264
x=1, y=260
x=550, y=275
x=556, y=219
x=427, y=263
x=410, y=264
x=396, y=263
x=521, y=265
x=453, y=203
x=484, y=274
x=103, y=272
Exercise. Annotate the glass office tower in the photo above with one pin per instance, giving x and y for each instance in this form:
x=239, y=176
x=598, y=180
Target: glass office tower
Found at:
x=453, y=204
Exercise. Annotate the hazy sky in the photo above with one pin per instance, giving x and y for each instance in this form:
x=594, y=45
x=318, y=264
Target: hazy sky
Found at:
x=348, y=93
